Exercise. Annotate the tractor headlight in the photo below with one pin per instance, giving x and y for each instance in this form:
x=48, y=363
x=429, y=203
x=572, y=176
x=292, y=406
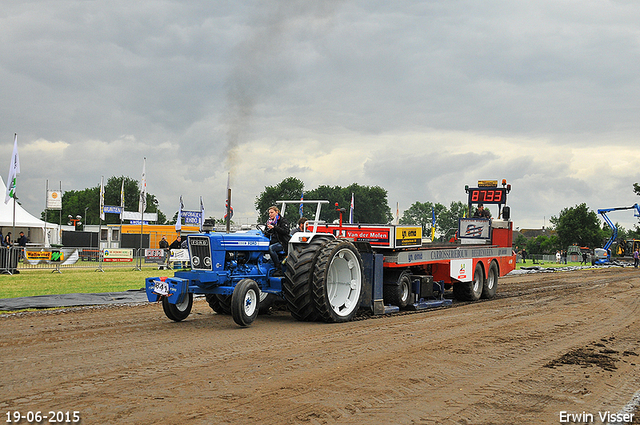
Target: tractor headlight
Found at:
x=195, y=261
x=207, y=261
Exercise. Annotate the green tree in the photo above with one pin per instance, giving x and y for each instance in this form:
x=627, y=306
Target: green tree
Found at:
x=288, y=189
x=578, y=225
x=421, y=214
x=370, y=203
x=447, y=220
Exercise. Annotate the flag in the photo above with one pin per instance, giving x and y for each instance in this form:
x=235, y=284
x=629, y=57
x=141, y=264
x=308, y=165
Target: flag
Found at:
x=179, y=220
x=433, y=224
x=351, y=210
x=142, y=205
x=301, y=208
x=14, y=170
x=201, y=213
x=122, y=199
x=397, y=212
x=101, y=199
x=227, y=205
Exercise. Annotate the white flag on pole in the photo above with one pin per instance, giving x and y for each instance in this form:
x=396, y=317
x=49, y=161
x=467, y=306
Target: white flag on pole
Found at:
x=14, y=170
x=101, y=200
x=122, y=199
x=201, y=213
x=179, y=220
x=143, y=190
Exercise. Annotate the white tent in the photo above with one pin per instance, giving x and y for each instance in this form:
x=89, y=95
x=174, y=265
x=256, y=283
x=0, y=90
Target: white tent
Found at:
x=37, y=231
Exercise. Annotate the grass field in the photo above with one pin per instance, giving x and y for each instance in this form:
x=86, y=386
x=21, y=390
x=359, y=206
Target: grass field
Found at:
x=43, y=282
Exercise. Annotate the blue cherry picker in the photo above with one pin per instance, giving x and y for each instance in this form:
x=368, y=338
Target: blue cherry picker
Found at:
x=603, y=255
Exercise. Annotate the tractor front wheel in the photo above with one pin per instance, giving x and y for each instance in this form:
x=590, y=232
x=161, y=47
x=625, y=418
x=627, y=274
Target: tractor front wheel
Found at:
x=180, y=311
x=245, y=302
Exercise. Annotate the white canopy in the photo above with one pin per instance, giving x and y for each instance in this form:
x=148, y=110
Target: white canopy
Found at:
x=37, y=231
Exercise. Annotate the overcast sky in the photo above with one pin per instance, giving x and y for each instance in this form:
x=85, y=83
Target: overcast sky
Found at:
x=418, y=97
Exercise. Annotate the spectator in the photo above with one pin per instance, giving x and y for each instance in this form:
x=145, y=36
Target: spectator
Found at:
x=22, y=240
x=177, y=244
x=524, y=255
x=636, y=258
x=164, y=246
x=7, y=240
x=300, y=226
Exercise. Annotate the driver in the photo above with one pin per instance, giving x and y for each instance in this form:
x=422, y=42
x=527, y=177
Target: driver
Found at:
x=278, y=233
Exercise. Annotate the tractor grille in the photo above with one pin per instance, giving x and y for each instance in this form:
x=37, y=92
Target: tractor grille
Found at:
x=200, y=253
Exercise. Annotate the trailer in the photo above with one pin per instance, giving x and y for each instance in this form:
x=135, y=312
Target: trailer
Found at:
x=334, y=270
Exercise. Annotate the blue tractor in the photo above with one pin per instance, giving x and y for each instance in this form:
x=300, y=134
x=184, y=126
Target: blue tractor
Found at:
x=321, y=279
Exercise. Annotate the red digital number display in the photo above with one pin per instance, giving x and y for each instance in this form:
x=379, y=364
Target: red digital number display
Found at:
x=487, y=196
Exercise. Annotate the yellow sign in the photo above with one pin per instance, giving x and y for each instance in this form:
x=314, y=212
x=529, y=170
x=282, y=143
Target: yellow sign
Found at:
x=487, y=183
x=39, y=255
x=408, y=235
x=55, y=256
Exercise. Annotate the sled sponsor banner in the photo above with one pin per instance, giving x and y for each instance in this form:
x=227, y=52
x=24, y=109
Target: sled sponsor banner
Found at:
x=376, y=236
x=461, y=270
x=390, y=236
x=117, y=255
x=408, y=236
x=474, y=228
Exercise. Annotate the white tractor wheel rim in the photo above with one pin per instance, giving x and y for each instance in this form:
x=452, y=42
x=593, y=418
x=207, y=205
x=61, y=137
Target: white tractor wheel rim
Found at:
x=344, y=282
x=182, y=306
x=250, y=302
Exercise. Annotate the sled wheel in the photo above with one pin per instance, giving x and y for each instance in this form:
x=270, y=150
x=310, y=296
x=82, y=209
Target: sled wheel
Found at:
x=180, y=311
x=337, y=281
x=470, y=291
x=397, y=288
x=297, y=286
x=491, y=283
x=245, y=302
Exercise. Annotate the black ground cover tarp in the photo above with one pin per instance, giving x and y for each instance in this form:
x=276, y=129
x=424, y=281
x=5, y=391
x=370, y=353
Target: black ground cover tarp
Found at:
x=72, y=300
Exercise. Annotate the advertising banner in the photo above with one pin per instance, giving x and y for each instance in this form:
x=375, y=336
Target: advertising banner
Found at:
x=118, y=255
x=54, y=200
x=474, y=228
x=154, y=255
x=64, y=256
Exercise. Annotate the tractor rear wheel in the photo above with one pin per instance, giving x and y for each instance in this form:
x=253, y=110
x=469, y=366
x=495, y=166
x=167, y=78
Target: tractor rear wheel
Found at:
x=297, y=285
x=216, y=303
x=180, y=311
x=245, y=302
x=337, y=281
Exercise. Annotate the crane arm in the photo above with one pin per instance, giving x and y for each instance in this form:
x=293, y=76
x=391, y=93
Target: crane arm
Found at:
x=603, y=212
